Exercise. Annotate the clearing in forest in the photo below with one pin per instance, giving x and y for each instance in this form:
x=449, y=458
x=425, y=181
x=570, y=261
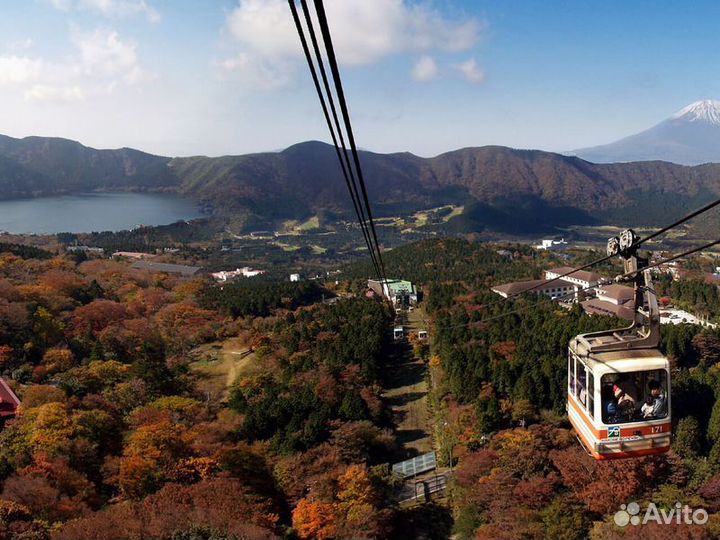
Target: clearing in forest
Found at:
x=219, y=364
x=406, y=390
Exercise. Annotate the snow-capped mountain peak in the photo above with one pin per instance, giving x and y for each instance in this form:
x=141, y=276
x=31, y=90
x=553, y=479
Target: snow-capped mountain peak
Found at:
x=691, y=136
x=707, y=110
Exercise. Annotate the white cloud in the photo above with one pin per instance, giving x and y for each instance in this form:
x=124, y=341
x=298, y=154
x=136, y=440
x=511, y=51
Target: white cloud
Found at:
x=363, y=31
x=102, y=60
x=19, y=69
x=103, y=53
x=110, y=8
x=255, y=72
x=425, y=69
x=471, y=71
x=264, y=27
x=48, y=93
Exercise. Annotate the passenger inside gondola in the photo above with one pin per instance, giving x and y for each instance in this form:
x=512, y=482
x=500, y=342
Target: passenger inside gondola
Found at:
x=625, y=392
x=656, y=403
x=623, y=402
x=609, y=405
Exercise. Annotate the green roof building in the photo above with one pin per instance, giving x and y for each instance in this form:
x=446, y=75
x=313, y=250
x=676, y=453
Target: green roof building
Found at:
x=398, y=291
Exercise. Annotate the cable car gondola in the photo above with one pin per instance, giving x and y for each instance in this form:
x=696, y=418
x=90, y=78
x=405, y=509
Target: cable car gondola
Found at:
x=618, y=380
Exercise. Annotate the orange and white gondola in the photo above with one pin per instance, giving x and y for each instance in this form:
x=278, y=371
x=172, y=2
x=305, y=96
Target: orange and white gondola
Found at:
x=618, y=380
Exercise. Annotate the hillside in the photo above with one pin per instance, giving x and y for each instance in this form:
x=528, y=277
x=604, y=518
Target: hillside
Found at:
x=492, y=182
x=46, y=165
x=501, y=188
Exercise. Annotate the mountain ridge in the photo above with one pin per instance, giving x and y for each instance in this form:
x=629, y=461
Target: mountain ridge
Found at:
x=493, y=182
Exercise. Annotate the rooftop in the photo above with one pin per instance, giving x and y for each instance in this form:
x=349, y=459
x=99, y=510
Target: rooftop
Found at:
x=394, y=285
x=166, y=267
x=596, y=306
x=582, y=275
x=133, y=254
x=8, y=400
x=519, y=287
x=621, y=293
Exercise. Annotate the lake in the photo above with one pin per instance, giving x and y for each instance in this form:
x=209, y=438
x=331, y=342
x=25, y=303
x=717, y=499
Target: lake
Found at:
x=88, y=212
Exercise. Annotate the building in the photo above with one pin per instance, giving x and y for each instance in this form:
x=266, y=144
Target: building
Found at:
x=616, y=294
x=672, y=268
x=225, y=275
x=581, y=278
x=615, y=300
x=294, y=277
x=398, y=291
x=86, y=249
x=9, y=402
x=132, y=255
x=552, y=289
x=551, y=245
x=557, y=288
x=187, y=271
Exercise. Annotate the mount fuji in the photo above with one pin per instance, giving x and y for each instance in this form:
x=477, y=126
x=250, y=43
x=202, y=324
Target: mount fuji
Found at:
x=691, y=136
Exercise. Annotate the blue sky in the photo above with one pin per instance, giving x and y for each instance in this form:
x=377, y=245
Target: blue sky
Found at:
x=181, y=77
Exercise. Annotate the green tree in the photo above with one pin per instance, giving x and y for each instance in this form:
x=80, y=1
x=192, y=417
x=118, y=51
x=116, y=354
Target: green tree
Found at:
x=524, y=410
x=713, y=431
x=565, y=519
x=688, y=437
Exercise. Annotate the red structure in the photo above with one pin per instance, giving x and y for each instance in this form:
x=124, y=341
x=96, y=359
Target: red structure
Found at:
x=8, y=402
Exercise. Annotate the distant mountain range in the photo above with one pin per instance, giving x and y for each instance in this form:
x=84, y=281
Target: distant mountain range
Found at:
x=691, y=136
x=48, y=165
x=501, y=188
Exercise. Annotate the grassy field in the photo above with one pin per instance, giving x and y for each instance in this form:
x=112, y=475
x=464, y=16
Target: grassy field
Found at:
x=294, y=226
x=218, y=366
x=285, y=247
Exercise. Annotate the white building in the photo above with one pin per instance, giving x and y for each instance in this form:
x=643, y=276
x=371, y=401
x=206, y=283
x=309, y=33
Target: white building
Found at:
x=582, y=279
x=294, y=277
x=552, y=244
x=614, y=299
x=555, y=289
x=246, y=271
x=553, y=285
x=86, y=249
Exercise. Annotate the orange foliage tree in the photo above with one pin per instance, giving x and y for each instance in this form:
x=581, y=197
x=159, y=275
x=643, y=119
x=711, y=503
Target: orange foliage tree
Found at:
x=314, y=519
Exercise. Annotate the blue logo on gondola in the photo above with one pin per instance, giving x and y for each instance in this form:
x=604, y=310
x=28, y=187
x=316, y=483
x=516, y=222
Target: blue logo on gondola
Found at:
x=613, y=432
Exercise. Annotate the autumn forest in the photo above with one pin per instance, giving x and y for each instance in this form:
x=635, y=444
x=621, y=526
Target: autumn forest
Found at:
x=117, y=434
